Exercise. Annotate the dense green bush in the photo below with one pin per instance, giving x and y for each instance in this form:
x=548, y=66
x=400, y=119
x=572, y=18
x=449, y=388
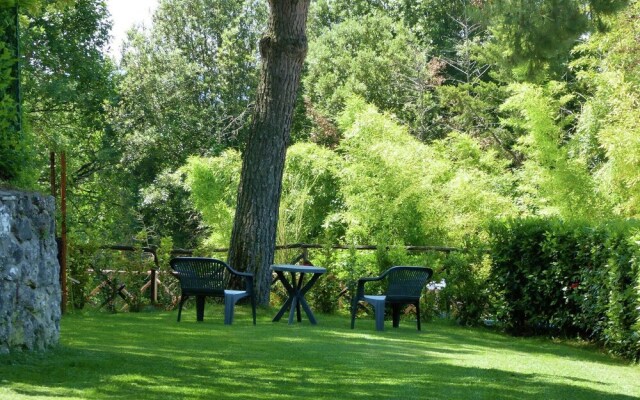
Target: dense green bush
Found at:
x=79, y=262
x=569, y=278
x=466, y=295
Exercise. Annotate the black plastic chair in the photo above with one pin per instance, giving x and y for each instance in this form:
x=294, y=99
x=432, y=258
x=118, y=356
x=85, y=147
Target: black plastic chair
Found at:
x=404, y=286
x=202, y=277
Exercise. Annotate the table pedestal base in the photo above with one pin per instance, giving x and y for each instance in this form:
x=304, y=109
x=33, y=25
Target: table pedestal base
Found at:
x=296, y=292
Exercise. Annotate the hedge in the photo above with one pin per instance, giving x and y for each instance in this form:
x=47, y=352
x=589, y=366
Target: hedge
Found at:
x=549, y=276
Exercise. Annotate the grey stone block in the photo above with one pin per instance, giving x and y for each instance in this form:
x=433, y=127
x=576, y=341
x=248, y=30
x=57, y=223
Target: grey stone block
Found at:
x=23, y=229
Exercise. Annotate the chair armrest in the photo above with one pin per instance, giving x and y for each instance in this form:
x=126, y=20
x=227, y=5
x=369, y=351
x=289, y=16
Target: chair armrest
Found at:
x=370, y=279
x=248, y=279
x=244, y=274
x=359, y=295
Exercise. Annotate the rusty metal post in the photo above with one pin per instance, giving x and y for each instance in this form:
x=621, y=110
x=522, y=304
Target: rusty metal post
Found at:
x=63, y=230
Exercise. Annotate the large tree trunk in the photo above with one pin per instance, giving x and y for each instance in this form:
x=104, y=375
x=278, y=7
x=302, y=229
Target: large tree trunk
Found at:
x=283, y=50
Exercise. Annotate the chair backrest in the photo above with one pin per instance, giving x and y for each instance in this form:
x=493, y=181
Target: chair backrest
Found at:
x=201, y=274
x=406, y=282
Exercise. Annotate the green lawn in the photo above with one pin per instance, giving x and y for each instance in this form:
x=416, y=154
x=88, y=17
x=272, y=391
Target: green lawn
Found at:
x=151, y=356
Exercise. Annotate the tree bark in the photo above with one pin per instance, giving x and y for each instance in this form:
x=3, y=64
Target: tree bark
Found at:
x=283, y=50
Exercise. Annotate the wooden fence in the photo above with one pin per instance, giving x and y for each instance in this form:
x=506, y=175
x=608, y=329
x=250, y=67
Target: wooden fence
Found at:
x=115, y=289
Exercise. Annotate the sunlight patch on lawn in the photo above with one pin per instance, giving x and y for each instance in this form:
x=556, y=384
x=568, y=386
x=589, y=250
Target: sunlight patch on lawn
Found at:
x=34, y=392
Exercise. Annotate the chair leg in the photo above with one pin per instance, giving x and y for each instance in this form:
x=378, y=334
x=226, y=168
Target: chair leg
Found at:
x=379, y=311
x=183, y=298
x=253, y=308
x=230, y=299
x=354, y=309
x=396, y=314
x=418, y=313
x=200, y=308
x=228, y=311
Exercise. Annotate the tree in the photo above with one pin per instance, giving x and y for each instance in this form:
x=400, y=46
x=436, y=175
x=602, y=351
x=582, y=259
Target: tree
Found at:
x=378, y=59
x=551, y=181
x=196, y=64
x=608, y=130
x=400, y=191
x=436, y=23
x=186, y=89
x=531, y=40
x=67, y=83
x=283, y=50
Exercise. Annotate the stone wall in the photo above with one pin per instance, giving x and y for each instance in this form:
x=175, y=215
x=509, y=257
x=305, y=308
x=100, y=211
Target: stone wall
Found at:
x=29, y=272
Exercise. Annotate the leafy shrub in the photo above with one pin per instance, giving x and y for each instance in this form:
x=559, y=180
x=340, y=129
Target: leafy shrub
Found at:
x=310, y=193
x=324, y=294
x=518, y=274
x=466, y=295
x=213, y=185
x=561, y=278
x=169, y=287
x=79, y=263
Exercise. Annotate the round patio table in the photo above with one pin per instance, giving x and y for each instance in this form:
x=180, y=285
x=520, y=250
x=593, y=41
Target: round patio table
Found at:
x=296, y=290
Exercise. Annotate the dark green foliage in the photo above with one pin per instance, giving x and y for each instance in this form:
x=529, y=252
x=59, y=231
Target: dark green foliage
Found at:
x=327, y=13
x=166, y=203
x=80, y=261
x=324, y=296
x=68, y=40
x=555, y=277
x=466, y=296
x=12, y=145
x=532, y=41
x=473, y=108
x=518, y=258
x=436, y=23
x=377, y=59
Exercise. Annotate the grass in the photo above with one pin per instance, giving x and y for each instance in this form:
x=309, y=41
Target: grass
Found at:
x=151, y=356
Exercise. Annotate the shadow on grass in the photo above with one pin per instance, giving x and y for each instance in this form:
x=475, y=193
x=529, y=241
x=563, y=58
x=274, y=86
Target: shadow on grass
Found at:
x=150, y=356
